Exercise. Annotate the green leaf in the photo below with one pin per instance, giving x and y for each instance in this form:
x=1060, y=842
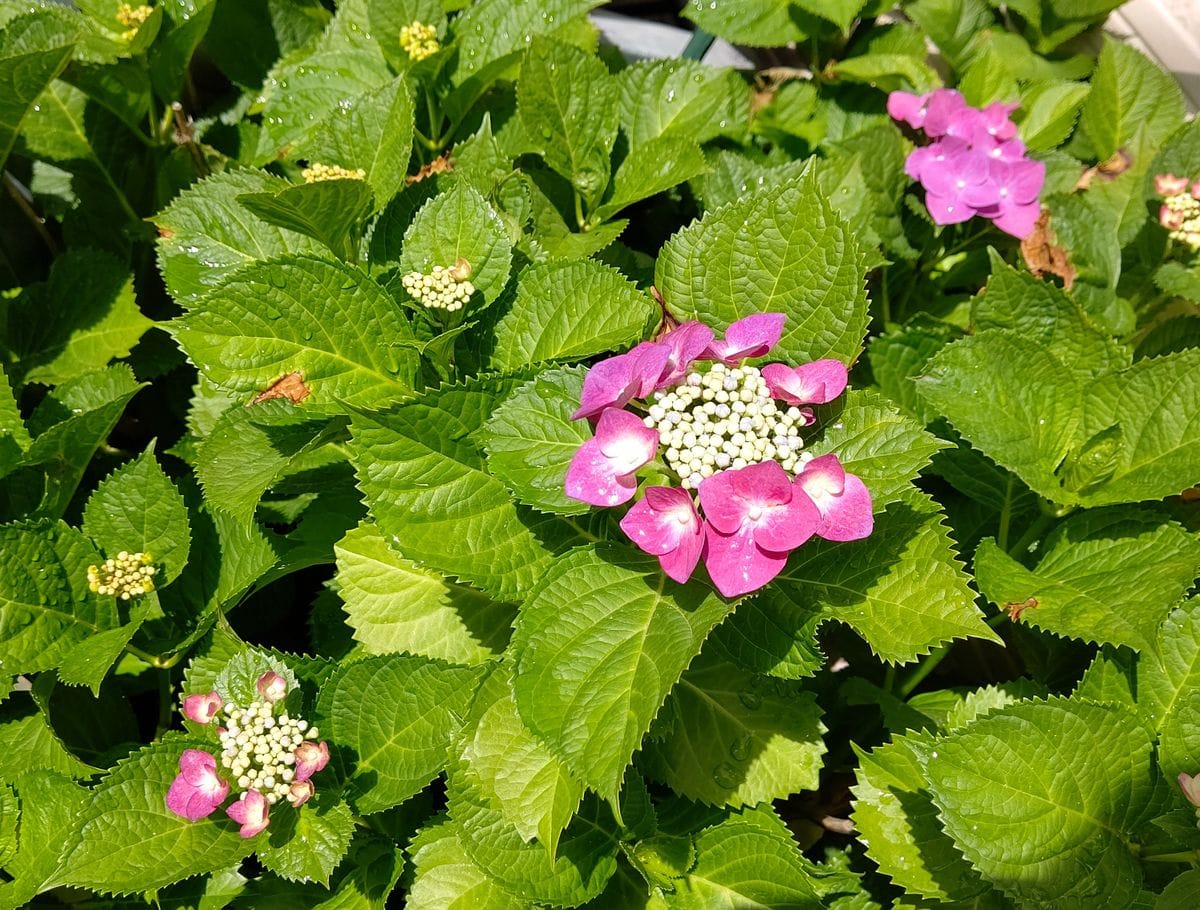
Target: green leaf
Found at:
x=1106, y=576
x=14, y=437
x=953, y=25
x=506, y=764
x=70, y=424
x=304, y=86
x=733, y=738
x=748, y=859
x=393, y=605
x=1049, y=112
x=492, y=30
x=598, y=646
x=424, y=479
x=45, y=605
x=82, y=317
x=445, y=878
x=653, y=168
x=770, y=633
x=10, y=813
x=782, y=250
x=886, y=70
x=583, y=863
x=681, y=99
x=900, y=355
x=875, y=442
x=88, y=662
x=531, y=439
x=169, y=56
x=1152, y=404
x=28, y=744
x=395, y=716
x=903, y=588
x=373, y=131
x=126, y=839
x=1167, y=680
x=899, y=825
x=34, y=48
x=757, y=23
x=567, y=102
x=569, y=311
x=326, y=321
x=49, y=805
x=460, y=224
x=328, y=210
x=1019, y=794
x=137, y=508
x=841, y=13
x=246, y=39
x=1129, y=94
x=205, y=234
x=308, y=843
x=250, y=449
x=1182, y=893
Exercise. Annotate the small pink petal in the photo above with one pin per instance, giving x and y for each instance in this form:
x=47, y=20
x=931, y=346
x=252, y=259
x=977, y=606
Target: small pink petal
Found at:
x=736, y=564
x=197, y=790
x=665, y=524
x=907, y=108
x=940, y=110
x=591, y=479
x=650, y=361
x=842, y=500
x=818, y=382
x=310, y=758
x=762, y=485
x=1019, y=220
x=1169, y=184
x=201, y=709
x=300, y=792
x=752, y=336
x=783, y=528
x=625, y=441
x=947, y=210
x=609, y=383
x=686, y=343
x=251, y=812
x=1190, y=785
x=723, y=508
x=271, y=686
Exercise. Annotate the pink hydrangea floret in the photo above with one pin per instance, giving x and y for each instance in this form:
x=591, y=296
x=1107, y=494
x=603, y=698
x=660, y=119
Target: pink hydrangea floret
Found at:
x=311, y=757
x=603, y=470
x=842, y=500
x=201, y=709
x=819, y=382
x=271, y=686
x=976, y=166
x=197, y=790
x=251, y=812
x=665, y=524
x=753, y=336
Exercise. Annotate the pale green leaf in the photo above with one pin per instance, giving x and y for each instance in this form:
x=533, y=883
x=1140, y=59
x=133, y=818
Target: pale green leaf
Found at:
x=395, y=716
x=737, y=739
x=126, y=839
x=773, y=634
x=10, y=813
x=460, y=224
x=567, y=102
x=900, y=355
x=424, y=479
x=1049, y=110
x=205, y=235
x=1107, y=576
x=445, y=878
x=326, y=321
x=568, y=311
x=34, y=48
x=88, y=662
x=598, y=646
x=781, y=250
x=1019, y=794
x=492, y=30
x=79, y=319
x=903, y=588
x=328, y=210
x=49, y=805
x=138, y=509
x=1167, y=680
x=14, y=437
x=531, y=439
x=28, y=744
x=307, y=844
x=654, y=167
x=508, y=766
x=374, y=132
x=682, y=99
x=393, y=605
x=752, y=22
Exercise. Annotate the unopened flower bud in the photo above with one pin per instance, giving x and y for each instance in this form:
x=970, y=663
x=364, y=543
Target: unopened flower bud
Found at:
x=300, y=792
x=1190, y=785
x=201, y=709
x=311, y=757
x=271, y=686
x=251, y=812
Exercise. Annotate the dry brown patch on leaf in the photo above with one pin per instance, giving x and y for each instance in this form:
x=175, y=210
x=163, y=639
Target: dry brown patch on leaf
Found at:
x=1191, y=494
x=1118, y=164
x=1016, y=609
x=290, y=386
x=441, y=165
x=1043, y=256
x=165, y=233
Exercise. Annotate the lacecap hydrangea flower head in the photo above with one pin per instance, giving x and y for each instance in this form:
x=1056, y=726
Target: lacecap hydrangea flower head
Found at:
x=265, y=754
x=730, y=434
x=976, y=164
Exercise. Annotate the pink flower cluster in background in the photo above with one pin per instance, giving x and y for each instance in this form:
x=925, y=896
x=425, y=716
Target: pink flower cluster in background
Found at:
x=1180, y=211
x=267, y=754
x=726, y=430
x=975, y=166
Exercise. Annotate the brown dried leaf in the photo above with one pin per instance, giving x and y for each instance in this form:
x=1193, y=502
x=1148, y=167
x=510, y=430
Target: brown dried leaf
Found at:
x=290, y=386
x=1016, y=609
x=441, y=165
x=1118, y=164
x=1044, y=256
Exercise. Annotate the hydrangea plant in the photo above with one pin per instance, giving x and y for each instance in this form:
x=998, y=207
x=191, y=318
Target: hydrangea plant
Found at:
x=446, y=463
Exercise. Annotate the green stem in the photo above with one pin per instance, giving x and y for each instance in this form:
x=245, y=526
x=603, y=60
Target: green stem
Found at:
x=165, y=702
x=17, y=191
x=885, y=299
x=1006, y=514
x=924, y=668
x=580, y=220
x=1032, y=533
x=889, y=678
x=1182, y=856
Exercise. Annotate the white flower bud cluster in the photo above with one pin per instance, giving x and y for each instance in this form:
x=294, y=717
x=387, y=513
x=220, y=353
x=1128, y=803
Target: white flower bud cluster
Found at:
x=317, y=172
x=129, y=575
x=259, y=748
x=419, y=40
x=1182, y=218
x=724, y=419
x=445, y=288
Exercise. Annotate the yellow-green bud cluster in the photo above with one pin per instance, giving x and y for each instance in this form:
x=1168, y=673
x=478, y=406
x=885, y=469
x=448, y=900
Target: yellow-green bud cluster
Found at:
x=445, y=288
x=1183, y=217
x=722, y=419
x=258, y=748
x=129, y=575
x=132, y=18
x=315, y=173
x=419, y=40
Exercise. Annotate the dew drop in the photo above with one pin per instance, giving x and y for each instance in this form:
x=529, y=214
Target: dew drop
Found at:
x=726, y=776
x=751, y=699
x=739, y=749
